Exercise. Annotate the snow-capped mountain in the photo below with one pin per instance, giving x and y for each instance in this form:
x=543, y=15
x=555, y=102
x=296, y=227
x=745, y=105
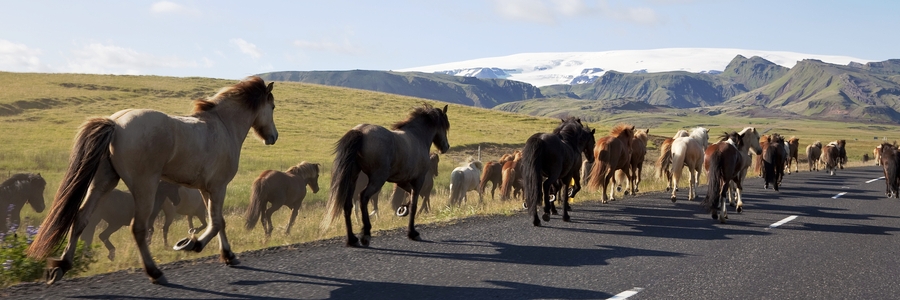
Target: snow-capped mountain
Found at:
x=542, y=69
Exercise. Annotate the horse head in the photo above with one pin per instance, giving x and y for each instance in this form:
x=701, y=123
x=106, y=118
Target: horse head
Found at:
x=264, y=123
x=751, y=139
x=313, y=183
x=36, y=193
x=587, y=136
x=440, y=139
x=701, y=135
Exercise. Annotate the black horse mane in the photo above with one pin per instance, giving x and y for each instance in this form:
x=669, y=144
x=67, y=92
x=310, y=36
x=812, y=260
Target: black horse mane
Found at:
x=426, y=113
x=569, y=129
x=19, y=177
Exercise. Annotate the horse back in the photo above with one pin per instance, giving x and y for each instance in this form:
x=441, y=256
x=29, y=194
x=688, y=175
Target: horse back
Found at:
x=397, y=155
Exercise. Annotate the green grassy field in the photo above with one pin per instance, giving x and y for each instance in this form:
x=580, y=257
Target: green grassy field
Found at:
x=40, y=114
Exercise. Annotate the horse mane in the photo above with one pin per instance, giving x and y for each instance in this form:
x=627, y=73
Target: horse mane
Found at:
x=304, y=169
x=17, y=179
x=426, y=113
x=793, y=139
x=568, y=129
x=817, y=144
x=620, y=129
x=250, y=91
x=680, y=133
x=747, y=129
x=643, y=135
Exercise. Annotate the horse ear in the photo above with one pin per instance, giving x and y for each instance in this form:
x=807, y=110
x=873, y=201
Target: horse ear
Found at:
x=648, y=131
x=445, y=109
x=593, y=131
x=269, y=87
x=632, y=127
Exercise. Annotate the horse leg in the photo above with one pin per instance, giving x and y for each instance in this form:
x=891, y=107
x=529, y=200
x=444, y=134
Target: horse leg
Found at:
x=144, y=192
x=569, y=190
x=374, y=186
x=105, y=179
x=104, y=237
x=293, y=217
x=215, y=198
x=266, y=219
x=694, y=177
x=739, y=187
x=548, y=189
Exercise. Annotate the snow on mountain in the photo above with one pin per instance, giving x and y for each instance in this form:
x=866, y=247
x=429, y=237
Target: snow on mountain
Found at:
x=542, y=69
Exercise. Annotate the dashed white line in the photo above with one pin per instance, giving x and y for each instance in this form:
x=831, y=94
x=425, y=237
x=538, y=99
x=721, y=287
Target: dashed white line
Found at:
x=839, y=195
x=785, y=220
x=626, y=294
x=876, y=179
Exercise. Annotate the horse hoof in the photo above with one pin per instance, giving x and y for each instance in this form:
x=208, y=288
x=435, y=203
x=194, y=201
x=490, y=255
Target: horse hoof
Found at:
x=715, y=216
x=161, y=280
x=619, y=189
x=111, y=256
x=536, y=223
x=566, y=218
x=365, y=240
x=626, y=193
x=524, y=205
x=188, y=244
x=402, y=211
x=54, y=275
x=673, y=199
x=352, y=241
x=414, y=235
x=229, y=259
x=546, y=218
x=740, y=209
x=668, y=189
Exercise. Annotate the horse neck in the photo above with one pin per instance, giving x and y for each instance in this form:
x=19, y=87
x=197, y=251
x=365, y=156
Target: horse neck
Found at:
x=420, y=132
x=236, y=120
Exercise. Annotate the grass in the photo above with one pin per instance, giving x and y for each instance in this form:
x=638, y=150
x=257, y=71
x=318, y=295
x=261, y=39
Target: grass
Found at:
x=40, y=114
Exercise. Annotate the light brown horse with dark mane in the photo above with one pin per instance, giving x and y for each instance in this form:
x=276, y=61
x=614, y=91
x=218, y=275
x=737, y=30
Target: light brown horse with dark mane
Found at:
x=275, y=189
x=17, y=190
x=398, y=155
x=140, y=147
x=611, y=153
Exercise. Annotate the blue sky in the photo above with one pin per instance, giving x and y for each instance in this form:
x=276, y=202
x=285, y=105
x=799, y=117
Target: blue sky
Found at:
x=233, y=39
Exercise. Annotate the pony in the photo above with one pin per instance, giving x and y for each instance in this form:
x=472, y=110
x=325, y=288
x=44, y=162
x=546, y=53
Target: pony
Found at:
x=361, y=182
x=611, y=153
x=758, y=161
x=749, y=144
x=511, y=184
x=463, y=179
x=773, y=157
x=398, y=155
x=842, y=153
x=17, y=190
x=555, y=156
x=688, y=152
x=831, y=156
x=794, y=147
x=182, y=201
x=117, y=210
x=891, y=167
x=277, y=188
x=398, y=195
x=724, y=163
x=493, y=173
x=813, y=152
x=140, y=147
x=664, y=162
x=638, y=151
x=877, y=154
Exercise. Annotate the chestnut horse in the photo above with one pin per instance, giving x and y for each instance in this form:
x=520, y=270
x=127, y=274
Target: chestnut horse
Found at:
x=140, y=147
x=724, y=163
x=794, y=147
x=398, y=155
x=636, y=169
x=17, y=190
x=511, y=184
x=611, y=153
x=813, y=152
x=555, y=156
x=277, y=188
x=688, y=152
x=493, y=173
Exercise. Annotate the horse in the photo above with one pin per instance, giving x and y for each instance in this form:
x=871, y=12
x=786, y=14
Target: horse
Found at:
x=398, y=155
x=758, y=161
x=399, y=195
x=724, y=163
x=831, y=156
x=277, y=188
x=773, y=157
x=664, y=162
x=140, y=147
x=793, y=147
x=877, y=154
x=688, y=152
x=842, y=153
x=463, y=179
x=634, y=172
x=749, y=144
x=890, y=164
x=813, y=152
x=611, y=153
x=511, y=184
x=17, y=190
x=117, y=210
x=182, y=201
x=554, y=156
x=493, y=173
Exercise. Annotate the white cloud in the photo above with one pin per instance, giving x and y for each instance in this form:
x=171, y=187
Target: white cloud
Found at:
x=168, y=7
x=344, y=47
x=19, y=57
x=246, y=47
x=554, y=11
x=109, y=59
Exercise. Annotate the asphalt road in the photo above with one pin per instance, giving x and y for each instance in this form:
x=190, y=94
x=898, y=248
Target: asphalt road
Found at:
x=842, y=247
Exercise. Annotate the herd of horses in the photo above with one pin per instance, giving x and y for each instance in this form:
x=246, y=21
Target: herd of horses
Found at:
x=156, y=156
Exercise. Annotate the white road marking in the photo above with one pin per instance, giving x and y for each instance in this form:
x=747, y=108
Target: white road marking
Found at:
x=785, y=220
x=876, y=179
x=626, y=294
x=839, y=195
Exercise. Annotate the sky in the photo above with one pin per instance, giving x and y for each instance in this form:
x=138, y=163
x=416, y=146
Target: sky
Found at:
x=234, y=39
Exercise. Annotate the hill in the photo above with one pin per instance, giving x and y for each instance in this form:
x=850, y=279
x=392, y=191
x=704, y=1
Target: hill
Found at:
x=469, y=91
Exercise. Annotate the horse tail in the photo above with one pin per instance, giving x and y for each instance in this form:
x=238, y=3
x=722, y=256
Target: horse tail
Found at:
x=508, y=176
x=90, y=149
x=257, y=203
x=532, y=160
x=485, y=176
x=665, y=158
x=457, y=189
x=599, y=170
x=714, y=175
x=344, y=174
x=678, y=163
x=769, y=165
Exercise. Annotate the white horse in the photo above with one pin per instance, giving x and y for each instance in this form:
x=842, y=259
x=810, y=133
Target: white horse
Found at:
x=750, y=144
x=464, y=179
x=688, y=152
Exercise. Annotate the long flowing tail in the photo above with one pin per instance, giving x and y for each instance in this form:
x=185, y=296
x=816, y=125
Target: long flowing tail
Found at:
x=90, y=149
x=714, y=176
x=677, y=167
x=508, y=182
x=457, y=190
x=532, y=159
x=257, y=203
x=344, y=173
x=665, y=158
x=600, y=170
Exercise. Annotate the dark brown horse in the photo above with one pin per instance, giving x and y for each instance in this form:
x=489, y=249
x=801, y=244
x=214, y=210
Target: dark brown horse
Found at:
x=611, y=153
x=831, y=157
x=275, y=189
x=842, y=153
x=555, y=156
x=17, y=190
x=773, y=157
x=724, y=163
x=399, y=155
x=890, y=163
x=793, y=157
x=140, y=147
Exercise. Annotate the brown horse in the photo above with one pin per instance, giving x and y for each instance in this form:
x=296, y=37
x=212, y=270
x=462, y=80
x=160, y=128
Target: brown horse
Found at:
x=633, y=175
x=399, y=155
x=611, y=153
x=758, y=161
x=831, y=157
x=399, y=195
x=890, y=164
x=557, y=157
x=140, y=147
x=17, y=190
x=794, y=144
x=274, y=189
x=842, y=153
x=182, y=201
x=117, y=210
x=773, y=157
x=813, y=152
x=493, y=173
x=511, y=174
x=724, y=163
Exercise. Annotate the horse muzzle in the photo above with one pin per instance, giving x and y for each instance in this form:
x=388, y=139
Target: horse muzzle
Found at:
x=270, y=140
